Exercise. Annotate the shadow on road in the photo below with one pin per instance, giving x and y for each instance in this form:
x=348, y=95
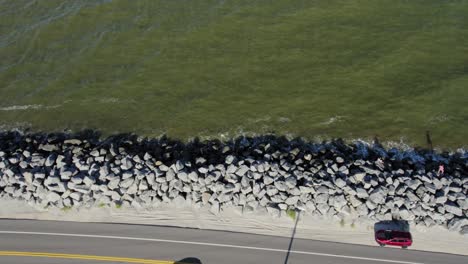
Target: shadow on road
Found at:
x=292, y=238
x=189, y=261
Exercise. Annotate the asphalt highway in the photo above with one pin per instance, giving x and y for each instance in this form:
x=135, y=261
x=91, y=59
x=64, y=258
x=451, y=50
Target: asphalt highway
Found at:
x=28, y=241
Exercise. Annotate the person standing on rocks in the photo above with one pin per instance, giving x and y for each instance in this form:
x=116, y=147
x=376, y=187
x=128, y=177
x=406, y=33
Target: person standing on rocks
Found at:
x=441, y=170
x=380, y=161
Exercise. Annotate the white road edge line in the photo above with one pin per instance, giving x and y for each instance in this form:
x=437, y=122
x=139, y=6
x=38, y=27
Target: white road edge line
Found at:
x=206, y=244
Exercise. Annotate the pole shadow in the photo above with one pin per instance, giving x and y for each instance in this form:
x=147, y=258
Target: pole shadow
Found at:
x=292, y=238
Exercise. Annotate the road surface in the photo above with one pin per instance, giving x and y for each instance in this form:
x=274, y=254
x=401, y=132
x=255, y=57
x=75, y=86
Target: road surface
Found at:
x=28, y=241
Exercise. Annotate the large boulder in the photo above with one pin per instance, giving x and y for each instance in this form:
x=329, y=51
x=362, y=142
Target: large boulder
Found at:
x=274, y=211
x=361, y=193
x=292, y=200
x=290, y=182
x=170, y=175
x=271, y=190
x=463, y=204
x=321, y=198
x=126, y=183
x=281, y=186
x=229, y=159
x=378, y=196
x=340, y=183
x=193, y=176
x=456, y=224
x=53, y=197
x=267, y=180
x=242, y=170
x=413, y=184
x=339, y=201
x=453, y=209
x=406, y=214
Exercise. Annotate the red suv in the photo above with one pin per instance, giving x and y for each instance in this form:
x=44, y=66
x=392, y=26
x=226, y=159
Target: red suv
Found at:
x=393, y=238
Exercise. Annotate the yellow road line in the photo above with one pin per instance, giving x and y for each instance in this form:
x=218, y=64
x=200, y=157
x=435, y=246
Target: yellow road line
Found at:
x=82, y=257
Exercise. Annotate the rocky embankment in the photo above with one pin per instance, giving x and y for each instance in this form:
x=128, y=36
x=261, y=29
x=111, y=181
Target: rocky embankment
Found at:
x=263, y=173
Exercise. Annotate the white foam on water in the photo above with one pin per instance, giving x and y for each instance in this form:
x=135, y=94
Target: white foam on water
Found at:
x=258, y=120
x=28, y=107
x=439, y=119
x=109, y=100
x=16, y=126
x=332, y=120
x=283, y=119
x=20, y=107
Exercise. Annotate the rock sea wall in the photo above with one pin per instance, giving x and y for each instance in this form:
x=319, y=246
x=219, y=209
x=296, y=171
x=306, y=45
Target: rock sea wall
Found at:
x=275, y=174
